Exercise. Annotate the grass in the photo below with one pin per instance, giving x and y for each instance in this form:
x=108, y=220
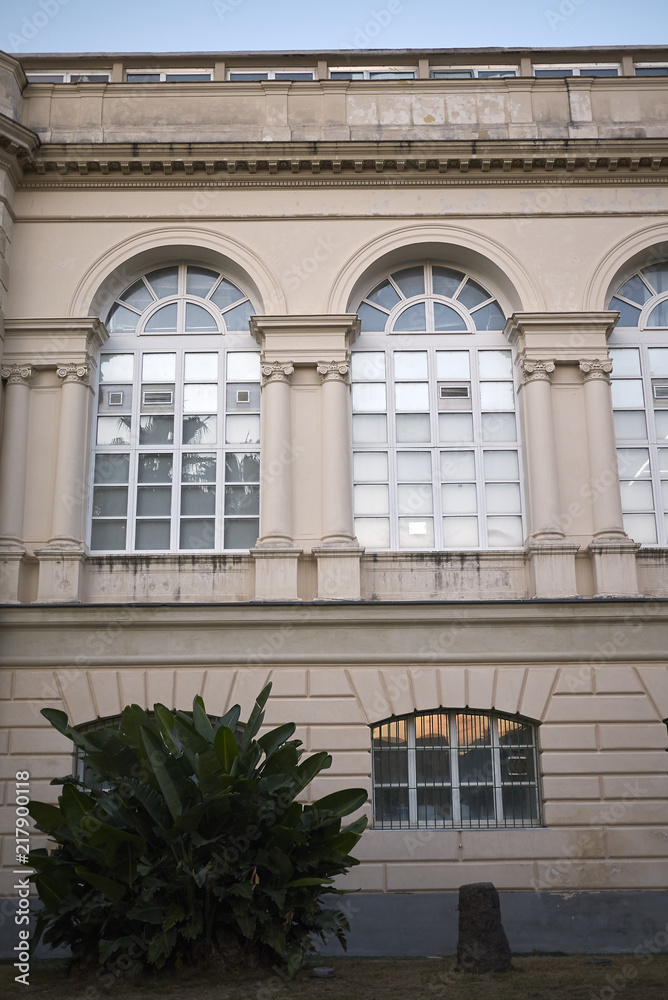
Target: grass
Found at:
x=571, y=977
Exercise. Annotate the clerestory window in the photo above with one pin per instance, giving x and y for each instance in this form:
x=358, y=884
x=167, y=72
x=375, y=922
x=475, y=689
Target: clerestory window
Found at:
x=455, y=770
x=639, y=353
x=436, y=461
x=176, y=464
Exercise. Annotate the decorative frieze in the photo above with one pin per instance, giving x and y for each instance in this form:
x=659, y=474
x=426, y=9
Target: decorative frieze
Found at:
x=17, y=374
x=277, y=371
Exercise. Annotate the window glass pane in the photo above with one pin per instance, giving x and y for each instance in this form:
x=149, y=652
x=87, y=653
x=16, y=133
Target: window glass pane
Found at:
x=164, y=281
x=198, y=398
x=446, y=281
x=637, y=495
x=370, y=466
x=627, y=392
x=201, y=367
x=153, y=501
x=384, y=295
x=501, y=465
x=490, y=317
x=411, y=320
x=112, y=468
x=371, y=499
x=392, y=806
x=152, y=535
x=497, y=396
x=373, y=532
x=447, y=320
x=110, y=501
x=460, y=532
x=108, y=535
x=414, y=498
x=504, y=532
x=499, y=427
x=199, y=320
x=628, y=315
x=473, y=294
x=413, y=428
x=138, y=296
x=243, y=428
x=243, y=366
x=502, y=498
x=495, y=364
x=368, y=366
x=454, y=427
x=116, y=367
x=411, y=396
x=636, y=290
x=200, y=281
x=156, y=428
x=629, y=425
x=113, y=430
x=122, y=320
x=657, y=276
x=661, y=422
x=199, y=429
x=410, y=281
x=198, y=500
x=242, y=500
x=226, y=293
x=459, y=498
x=114, y=398
x=520, y=806
x=197, y=533
x=158, y=368
x=369, y=428
x=199, y=468
x=241, y=534
x=663, y=461
x=625, y=361
x=658, y=362
x=237, y=318
x=641, y=528
x=143, y=78
x=368, y=396
x=240, y=468
x=371, y=319
x=452, y=366
x=414, y=465
x=434, y=804
x=416, y=533
x=163, y=321
x=633, y=463
x=477, y=805
x=155, y=468
x=457, y=466
x=410, y=365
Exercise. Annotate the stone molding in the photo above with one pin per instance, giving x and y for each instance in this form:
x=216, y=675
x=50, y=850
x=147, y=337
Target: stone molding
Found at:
x=333, y=371
x=73, y=372
x=536, y=371
x=596, y=370
x=276, y=371
x=17, y=374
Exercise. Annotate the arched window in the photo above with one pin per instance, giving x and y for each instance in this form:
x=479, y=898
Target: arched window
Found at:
x=177, y=435
x=639, y=352
x=435, y=437
x=455, y=770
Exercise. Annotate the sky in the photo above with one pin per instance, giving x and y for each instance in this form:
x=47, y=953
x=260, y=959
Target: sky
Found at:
x=295, y=25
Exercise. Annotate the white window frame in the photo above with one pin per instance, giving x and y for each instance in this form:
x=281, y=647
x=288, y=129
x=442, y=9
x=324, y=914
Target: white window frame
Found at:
x=576, y=70
x=164, y=73
x=488, y=72
x=271, y=75
x=651, y=66
x=34, y=77
x=375, y=72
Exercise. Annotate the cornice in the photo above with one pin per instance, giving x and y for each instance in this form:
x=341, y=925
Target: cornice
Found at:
x=17, y=144
x=314, y=163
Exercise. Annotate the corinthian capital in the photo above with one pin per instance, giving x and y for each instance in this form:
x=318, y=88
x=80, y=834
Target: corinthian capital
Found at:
x=73, y=373
x=333, y=371
x=277, y=371
x=536, y=371
x=595, y=369
x=17, y=374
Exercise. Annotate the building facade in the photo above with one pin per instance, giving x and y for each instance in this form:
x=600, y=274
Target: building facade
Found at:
x=349, y=371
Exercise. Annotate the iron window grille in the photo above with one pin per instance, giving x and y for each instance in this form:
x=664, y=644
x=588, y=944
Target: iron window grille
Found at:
x=455, y=769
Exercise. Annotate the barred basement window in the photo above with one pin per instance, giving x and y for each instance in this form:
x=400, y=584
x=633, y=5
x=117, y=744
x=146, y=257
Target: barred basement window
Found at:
x=447, y=770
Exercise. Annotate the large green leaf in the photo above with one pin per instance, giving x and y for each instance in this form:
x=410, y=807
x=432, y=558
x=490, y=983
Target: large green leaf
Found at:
x=343, y=802
x=166, y=722
x=47, y=817
x=277, y=737
x=225, y=747
x=201, y=720
x=107, y=886
x=256, y=718
x=173, y=785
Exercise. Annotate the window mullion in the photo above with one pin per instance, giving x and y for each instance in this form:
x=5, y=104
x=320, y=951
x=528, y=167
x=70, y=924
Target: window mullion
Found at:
x=496, y=772
x=412, y=774
x=454, y=771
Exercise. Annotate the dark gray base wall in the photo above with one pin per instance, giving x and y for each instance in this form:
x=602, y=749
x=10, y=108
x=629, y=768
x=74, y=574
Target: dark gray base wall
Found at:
x=425, y=923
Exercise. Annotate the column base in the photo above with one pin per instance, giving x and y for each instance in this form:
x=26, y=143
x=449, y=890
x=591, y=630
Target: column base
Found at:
x=553, y=568
x=276, y=573
x=11, y=560
x=338, y=572
x=60, y=575
x=615, y=573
